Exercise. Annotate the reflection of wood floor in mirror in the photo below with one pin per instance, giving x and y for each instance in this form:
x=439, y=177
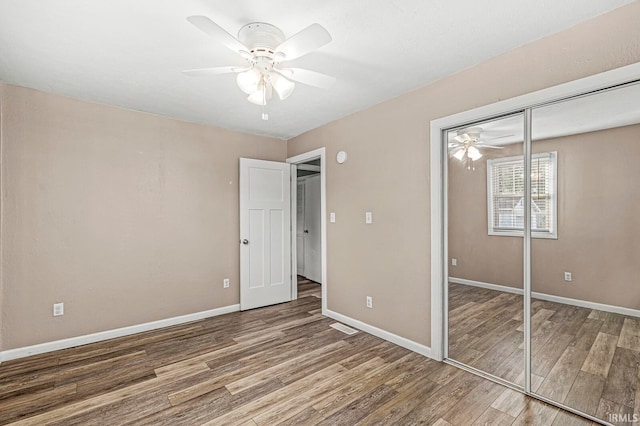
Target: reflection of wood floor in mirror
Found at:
x=584, y=358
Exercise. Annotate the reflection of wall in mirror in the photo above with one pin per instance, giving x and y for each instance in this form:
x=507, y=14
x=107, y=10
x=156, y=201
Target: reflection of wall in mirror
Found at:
x=598, y=222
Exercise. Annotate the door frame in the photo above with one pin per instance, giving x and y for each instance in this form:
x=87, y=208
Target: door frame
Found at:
x=297, y=159
x=438, y=178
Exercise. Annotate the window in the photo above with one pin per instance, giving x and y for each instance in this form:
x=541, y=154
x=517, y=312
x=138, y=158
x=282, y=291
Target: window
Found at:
x=505, y=195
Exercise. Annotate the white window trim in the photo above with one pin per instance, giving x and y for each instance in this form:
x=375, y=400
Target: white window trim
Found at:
x=554, y=198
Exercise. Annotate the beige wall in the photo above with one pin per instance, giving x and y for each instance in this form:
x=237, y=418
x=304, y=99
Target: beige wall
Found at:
x=388, y=167
x=126, y=217
x=598, y=227
x=467, y=235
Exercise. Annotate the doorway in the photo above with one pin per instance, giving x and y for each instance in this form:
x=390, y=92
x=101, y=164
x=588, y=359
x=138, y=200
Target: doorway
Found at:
x=308, y=221
x=268, y=243
x=308, y=255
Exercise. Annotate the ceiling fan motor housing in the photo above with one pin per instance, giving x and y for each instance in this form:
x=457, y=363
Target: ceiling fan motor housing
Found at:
x=472, y=132
x=261, y=38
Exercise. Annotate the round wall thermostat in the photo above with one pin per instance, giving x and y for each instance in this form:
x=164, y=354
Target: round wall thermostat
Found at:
x=341, y=157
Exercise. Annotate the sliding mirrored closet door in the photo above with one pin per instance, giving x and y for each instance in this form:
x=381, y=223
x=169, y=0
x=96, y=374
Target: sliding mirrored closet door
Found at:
x=485, y=216
x=543, y=252
x=585, y=260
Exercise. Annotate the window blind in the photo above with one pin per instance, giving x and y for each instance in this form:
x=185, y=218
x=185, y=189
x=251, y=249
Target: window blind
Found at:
x=506, y=197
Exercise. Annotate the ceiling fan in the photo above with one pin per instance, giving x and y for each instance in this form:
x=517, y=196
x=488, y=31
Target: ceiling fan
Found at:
x=467, y=143
x=264, y=47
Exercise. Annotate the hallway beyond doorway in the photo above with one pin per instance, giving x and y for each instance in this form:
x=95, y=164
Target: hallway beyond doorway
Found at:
x=307, y=287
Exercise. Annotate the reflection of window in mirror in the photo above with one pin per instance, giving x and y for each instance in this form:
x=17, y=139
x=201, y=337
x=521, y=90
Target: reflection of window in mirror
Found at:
x=505, y=195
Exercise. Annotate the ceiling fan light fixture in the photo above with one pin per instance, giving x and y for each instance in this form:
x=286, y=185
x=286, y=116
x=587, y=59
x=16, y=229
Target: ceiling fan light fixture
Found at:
x=264, y=47
x=282, y=86
x=459, y=154
x=248, y=81
x=262, y=94
x=474, y=153
x=257, y=97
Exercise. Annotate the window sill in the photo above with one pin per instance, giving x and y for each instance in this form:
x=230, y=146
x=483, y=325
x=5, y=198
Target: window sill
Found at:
x=542, y=235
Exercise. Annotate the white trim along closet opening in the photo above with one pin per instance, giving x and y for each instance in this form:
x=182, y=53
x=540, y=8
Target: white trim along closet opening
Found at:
x=536, y=241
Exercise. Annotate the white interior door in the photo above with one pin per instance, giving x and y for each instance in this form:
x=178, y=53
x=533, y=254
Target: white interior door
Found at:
x=300, y=187
x=265, y=233
x=312, y=230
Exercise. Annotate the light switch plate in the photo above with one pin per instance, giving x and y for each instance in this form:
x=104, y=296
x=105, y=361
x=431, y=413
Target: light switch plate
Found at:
x=368, y=217
x=332, y=217
x=58, y=309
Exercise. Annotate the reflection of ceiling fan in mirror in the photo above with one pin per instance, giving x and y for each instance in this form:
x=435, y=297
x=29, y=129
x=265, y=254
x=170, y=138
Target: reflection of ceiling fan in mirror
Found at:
x=466, y=146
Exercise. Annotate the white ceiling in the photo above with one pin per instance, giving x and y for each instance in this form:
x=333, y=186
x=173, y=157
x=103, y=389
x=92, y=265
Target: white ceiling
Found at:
x=130, y=53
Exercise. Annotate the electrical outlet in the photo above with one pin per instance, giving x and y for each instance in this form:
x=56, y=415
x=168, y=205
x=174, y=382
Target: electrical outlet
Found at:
x=567, y=276
x=58, y=309
x=454, y=262
x=332, y=217
x=368, y=217
x=225, y=283
x=369, y=302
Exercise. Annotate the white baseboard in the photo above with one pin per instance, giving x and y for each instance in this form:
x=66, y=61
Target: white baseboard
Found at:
x=551, y=298
x=586, y=304
x=496, y=287
x=390, y=337
x=111, y=334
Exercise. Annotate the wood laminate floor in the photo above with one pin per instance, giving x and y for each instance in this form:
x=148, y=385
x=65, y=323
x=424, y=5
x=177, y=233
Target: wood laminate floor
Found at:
x=307, y=287
x=584, y=358
x=281, y=364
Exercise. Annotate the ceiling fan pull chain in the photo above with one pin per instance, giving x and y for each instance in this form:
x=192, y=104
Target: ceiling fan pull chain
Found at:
x=265, y=116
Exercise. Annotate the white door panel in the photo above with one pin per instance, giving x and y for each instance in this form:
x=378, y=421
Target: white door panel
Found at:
x=256, y=249
x=276, y=251
x=265, y=233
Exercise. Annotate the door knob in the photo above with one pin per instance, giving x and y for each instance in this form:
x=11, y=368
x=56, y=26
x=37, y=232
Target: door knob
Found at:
x=306, y=231
x=245, y=241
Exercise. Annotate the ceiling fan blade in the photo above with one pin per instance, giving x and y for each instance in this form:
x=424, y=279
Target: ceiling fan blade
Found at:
x=307, y=40
x=480, y=145
x=310, y=78
x=462, y=138
x=209, y=27
x=496, y=137
x=214, y=71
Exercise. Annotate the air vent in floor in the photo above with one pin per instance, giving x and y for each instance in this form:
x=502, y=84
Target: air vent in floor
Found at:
x=343, y=328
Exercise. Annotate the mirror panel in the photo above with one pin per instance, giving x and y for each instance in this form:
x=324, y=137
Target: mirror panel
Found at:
x=485, y=175
x=585, y=308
